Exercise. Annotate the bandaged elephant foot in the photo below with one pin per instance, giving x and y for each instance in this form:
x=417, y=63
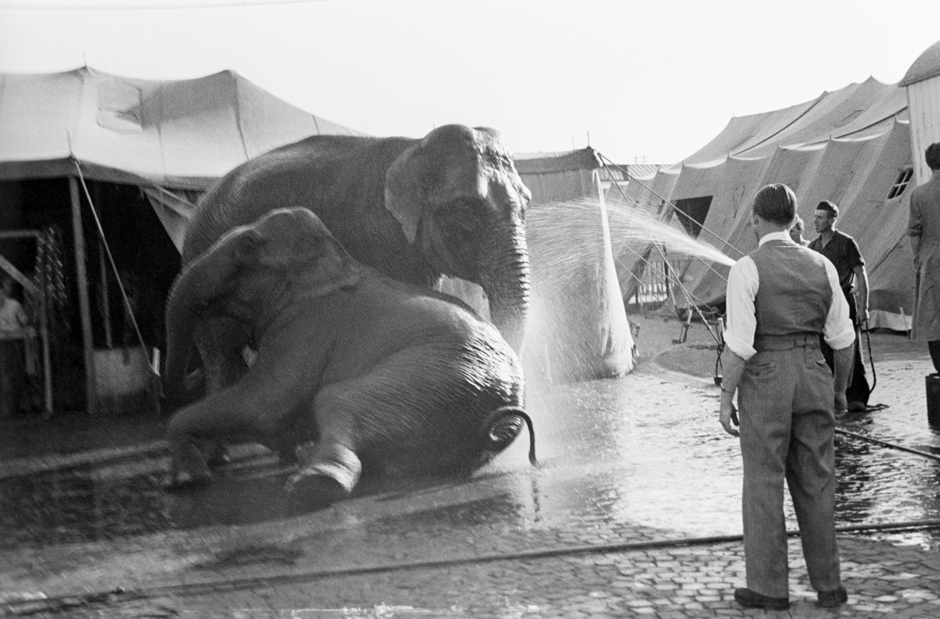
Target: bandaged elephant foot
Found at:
x=327, y=473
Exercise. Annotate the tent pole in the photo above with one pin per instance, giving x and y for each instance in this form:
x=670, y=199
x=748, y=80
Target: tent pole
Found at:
x=91, y=391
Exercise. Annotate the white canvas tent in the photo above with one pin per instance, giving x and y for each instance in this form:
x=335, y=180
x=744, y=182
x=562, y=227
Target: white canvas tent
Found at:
x=579, y=328
x=851, y=146
x=168, y=138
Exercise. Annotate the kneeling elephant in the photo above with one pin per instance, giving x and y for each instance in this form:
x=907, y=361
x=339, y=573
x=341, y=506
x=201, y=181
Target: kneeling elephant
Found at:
x=365, y=373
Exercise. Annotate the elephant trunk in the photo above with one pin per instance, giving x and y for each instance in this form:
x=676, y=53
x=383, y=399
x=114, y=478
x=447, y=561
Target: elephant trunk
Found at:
x=184, y=307
x=505, y=279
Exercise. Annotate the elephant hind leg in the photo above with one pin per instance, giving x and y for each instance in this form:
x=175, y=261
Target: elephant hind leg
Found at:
x=329, y=469
x=328, y=472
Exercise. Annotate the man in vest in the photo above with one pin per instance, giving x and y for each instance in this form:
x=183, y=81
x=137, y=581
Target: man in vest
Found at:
x=842, y=251
x=781, y=299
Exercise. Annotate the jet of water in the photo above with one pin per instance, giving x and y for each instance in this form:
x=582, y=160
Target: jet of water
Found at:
x=562, y=233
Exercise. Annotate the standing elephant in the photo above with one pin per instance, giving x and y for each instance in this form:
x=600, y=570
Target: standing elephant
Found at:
x=365, y=372
x=450, y=203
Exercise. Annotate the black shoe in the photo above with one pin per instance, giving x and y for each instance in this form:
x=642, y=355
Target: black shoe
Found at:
x=858, y=407
x=832, y=599
x=751, y=599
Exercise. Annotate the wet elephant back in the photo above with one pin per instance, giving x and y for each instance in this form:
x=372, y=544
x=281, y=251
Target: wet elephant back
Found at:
x=423, y=396
x=383, y=316
x=340, y=178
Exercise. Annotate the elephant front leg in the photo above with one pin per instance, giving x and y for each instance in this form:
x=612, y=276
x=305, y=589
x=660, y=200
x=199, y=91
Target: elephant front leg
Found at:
x=222, y=343
x=248, y=411
x=188, y=466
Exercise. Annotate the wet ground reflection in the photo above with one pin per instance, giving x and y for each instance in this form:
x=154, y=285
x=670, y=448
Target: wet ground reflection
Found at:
x=638, y=449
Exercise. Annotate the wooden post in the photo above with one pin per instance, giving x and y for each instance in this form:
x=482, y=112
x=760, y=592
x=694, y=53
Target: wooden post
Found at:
x=5, y=265
x=46, y=361
x=91, y=390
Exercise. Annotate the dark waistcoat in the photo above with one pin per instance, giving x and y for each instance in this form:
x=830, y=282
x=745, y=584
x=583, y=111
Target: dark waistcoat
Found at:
x=794, y=294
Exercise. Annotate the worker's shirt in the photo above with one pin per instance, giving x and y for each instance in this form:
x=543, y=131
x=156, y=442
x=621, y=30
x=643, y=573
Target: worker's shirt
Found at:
x=797, y=297
x=12, y=316
x=842, y=251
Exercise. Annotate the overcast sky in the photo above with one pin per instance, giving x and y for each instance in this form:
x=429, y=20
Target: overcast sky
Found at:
x=652, y=79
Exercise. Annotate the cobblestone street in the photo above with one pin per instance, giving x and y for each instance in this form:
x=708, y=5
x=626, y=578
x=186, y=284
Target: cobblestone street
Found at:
x=635, y=511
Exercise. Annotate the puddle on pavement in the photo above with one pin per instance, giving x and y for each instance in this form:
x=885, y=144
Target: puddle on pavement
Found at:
x=634, y=450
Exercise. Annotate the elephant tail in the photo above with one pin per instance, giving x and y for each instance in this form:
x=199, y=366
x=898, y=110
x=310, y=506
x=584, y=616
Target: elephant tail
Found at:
x=503, y=425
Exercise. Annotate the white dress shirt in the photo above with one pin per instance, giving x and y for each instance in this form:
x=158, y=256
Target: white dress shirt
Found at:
x=743, y=282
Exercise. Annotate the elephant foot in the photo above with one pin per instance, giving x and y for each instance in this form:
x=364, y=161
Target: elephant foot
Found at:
x=329, y=472
x=182, y=481
x=315, y=489
x=217, y=456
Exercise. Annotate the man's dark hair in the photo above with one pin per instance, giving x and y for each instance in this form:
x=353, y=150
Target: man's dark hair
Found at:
x=776, y=203
x=932, y=155
x=826, y=205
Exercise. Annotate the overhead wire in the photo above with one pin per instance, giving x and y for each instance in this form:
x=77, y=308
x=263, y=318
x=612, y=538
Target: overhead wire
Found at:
x=609, y=163
x=670, y=274
x=107, y=249
x=674, y=210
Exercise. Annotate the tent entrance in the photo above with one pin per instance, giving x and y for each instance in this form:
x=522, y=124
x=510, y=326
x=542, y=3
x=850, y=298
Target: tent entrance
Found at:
x=146, y=260
x=692, y=213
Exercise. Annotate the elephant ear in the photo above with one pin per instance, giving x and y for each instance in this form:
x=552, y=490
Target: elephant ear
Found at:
x=404, y=190
x=299, y=246
x=443, y=165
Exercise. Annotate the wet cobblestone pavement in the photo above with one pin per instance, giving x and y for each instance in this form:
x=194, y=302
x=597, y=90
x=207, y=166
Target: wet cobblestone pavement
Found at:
x=635, y=511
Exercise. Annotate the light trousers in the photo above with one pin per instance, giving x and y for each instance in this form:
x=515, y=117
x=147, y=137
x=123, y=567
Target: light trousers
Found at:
x=785, y=398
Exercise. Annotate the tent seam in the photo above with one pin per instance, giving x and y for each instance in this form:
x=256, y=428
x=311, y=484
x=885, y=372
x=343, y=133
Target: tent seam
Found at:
x=784, y=128
x=238, y=114
x=160, y=131
x=85, y=74
x=872, y=124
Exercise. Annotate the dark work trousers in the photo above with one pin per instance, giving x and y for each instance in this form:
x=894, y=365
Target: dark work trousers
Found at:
x=858, y=389
x=785, y=406
x=934, y=347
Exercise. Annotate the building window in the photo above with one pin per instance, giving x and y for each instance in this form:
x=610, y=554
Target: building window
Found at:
x=904, y=177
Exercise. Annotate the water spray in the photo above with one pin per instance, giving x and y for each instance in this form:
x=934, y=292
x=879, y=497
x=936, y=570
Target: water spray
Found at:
x=676, y=238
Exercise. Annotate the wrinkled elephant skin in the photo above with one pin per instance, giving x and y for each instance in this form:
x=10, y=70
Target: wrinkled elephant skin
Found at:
x=450, y=203
x=355, y=372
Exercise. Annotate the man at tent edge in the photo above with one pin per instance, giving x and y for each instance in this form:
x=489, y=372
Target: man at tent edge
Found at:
x=924, y=233
x=842, y=250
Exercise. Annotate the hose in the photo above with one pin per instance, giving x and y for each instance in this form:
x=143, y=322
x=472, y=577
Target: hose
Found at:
x=871, y=360
x=25, y=607
x=887, y=444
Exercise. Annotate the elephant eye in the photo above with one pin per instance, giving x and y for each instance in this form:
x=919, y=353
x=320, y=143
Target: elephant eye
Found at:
x=463, y=216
